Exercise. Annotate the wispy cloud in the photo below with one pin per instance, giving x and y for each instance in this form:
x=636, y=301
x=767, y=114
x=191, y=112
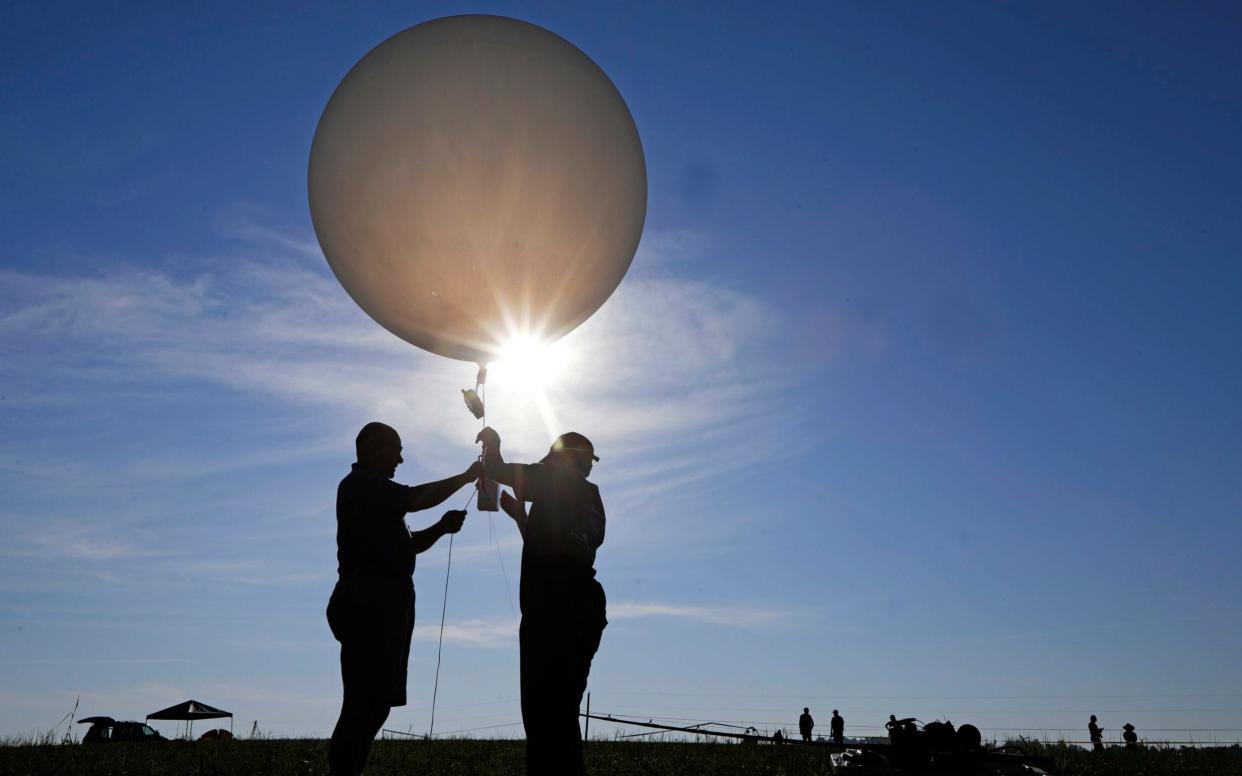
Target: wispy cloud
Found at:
x=666, y=360
x=501, y=632
x=67, y=539
x=249, y=223
x=670, y=247
x=97, y=660
x=713, y=615
x=479, y=633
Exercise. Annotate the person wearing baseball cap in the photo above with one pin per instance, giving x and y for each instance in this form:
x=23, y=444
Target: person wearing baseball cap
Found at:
x=572, y=442
x=563, y=604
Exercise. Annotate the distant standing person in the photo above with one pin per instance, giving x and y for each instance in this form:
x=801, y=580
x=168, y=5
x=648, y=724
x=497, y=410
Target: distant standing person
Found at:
x=1096, y=733
x=371, y=611
x=806, y=724
x=563, y=605
x=837, y=727
x=1129, y=736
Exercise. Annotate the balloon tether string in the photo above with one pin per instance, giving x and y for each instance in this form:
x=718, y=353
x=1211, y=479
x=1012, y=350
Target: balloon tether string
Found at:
x=481, y=387
x=492, y=523
x=435, y=688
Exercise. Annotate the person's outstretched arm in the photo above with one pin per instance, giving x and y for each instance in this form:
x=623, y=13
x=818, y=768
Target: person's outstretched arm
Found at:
x=450, y=523
x=523, y=478
x=433, y=494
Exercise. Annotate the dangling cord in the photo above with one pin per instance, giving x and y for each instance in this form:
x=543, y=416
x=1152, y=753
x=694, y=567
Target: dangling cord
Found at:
x=481, y=388
x=500, y=556
x=492, y=523
x=435, y=690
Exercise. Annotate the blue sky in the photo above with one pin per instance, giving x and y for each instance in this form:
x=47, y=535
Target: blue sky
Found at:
x=919, y=398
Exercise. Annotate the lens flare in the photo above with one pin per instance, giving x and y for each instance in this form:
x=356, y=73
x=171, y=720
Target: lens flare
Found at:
x=529, y=364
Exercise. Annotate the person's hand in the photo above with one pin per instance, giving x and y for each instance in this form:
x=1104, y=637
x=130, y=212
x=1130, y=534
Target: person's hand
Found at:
x=475, y=471
x=489, y=438
x=452, y=520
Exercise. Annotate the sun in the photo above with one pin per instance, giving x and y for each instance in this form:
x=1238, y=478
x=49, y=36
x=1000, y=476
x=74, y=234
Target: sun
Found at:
x=528, y=363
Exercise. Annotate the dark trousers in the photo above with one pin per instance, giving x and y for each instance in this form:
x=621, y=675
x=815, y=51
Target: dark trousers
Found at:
x=557, y=649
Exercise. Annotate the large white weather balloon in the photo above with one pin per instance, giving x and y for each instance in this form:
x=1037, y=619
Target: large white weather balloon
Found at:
x=475, y=179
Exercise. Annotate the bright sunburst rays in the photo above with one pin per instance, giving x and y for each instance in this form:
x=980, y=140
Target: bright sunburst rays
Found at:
x=532, y=369
x=526, y=363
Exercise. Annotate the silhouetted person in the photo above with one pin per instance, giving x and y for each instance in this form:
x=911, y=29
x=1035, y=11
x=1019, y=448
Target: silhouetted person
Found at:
x=806, y=724
x=778, y=737
x=900, y=729
x=1096, y=733
x=371, y=611
x=837, y=727
x=563, y=605
x=1129, y=736
x=893, y=727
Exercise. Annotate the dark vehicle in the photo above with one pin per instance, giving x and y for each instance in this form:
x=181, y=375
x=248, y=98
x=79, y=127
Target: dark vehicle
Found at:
x=106, y=729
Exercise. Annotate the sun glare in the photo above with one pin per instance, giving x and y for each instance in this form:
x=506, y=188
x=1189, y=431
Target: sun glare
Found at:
x=530, y=364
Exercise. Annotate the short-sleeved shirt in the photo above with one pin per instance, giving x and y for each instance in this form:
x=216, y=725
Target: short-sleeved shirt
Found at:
x=372, y=542
x=563, y=531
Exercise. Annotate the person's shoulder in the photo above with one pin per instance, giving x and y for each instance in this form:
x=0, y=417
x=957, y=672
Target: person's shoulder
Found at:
x=360, y=478
x=357, y=476
x=534, y=473
x=348, y=481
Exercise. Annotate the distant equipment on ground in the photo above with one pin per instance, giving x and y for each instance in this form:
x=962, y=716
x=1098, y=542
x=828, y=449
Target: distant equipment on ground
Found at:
x=938, y=747
x=217, y=734
x=189, y=711
x=107, y=730
x=474, y=179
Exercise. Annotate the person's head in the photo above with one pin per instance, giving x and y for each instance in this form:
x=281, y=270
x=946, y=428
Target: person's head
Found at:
x=1093, y=718
x=806, y=710
x=379, y=448
x=834, y=712
x=572, y=451
x=1128, y=726
x=892, y=717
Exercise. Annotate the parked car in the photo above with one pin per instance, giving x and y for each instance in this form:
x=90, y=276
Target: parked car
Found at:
x=106, y=729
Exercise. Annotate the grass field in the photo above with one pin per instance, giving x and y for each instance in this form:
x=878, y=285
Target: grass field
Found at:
x=305, y=757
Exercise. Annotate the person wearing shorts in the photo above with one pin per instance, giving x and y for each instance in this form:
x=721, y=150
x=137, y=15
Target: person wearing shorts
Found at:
x=371, y=611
